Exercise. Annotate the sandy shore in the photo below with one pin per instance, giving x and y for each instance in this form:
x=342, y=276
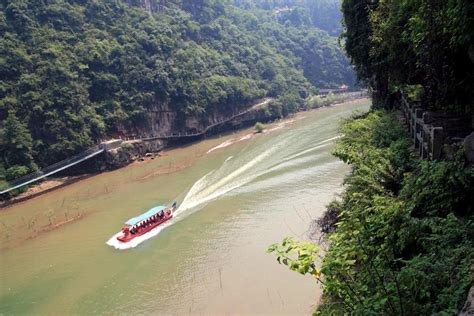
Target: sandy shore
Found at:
x=43, y=187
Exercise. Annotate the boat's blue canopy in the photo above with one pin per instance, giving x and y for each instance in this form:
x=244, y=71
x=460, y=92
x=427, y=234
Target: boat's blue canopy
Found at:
x=145, y=215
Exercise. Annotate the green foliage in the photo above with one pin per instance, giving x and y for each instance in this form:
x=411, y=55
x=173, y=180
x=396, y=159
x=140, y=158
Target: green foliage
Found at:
x=317, y=101
x=126, y=146
x=414, y=92
x=259, y=127
x=297, y=256
x=15, y=172
x=324, y=14
x=403, y=240
x=289, y=102
x=395, y=43
x=439, y=188
x=74, y=72
x=17, y=145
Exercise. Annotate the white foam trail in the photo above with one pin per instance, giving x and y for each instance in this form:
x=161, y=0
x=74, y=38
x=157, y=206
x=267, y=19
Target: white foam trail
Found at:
x=317, y=146
x=229, y=142
x=201, y=192
x=113, y=242
x=289, y=178
x=197, y=186
x=292, y=162
x=223, y=145
x=217, y=183
x=282, y=163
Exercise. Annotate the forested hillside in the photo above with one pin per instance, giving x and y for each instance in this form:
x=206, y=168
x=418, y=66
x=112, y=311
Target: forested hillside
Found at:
x=323, y=14
x=73, y=70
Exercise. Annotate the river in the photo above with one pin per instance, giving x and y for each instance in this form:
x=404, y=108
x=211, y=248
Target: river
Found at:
x=235, y=200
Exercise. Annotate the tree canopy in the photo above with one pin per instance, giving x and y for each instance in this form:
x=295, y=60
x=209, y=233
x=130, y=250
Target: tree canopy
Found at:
x=414, y=43
x=72, y=71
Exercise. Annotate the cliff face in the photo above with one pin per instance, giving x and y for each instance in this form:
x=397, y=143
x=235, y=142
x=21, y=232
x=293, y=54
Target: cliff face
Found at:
x=162, y=119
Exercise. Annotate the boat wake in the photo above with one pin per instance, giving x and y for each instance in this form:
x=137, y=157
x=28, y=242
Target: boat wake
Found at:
x=234, y=173
x=233, y=141
x=230, y=142
x=113, y=242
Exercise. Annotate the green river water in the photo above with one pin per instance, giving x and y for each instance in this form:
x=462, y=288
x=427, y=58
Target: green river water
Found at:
x=210, y=259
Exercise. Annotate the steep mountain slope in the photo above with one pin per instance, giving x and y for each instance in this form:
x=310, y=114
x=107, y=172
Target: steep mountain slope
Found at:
x=75, y=71
x=323, y=14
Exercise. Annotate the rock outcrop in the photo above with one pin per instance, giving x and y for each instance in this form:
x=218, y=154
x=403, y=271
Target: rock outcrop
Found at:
x=468, y=308
x=469, y=148
x=129, y=151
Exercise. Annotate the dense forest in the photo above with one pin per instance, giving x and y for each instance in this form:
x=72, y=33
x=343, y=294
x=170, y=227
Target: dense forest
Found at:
x=73, y=70
x=400, y=239
x=423, y=46
x=323, y=14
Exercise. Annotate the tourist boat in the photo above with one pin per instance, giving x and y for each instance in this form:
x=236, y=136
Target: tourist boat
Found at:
x=146, y=222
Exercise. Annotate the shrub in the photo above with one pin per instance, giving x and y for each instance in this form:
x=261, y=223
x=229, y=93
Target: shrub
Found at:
x=401, y=237
x=16, y=172
x=259, y=127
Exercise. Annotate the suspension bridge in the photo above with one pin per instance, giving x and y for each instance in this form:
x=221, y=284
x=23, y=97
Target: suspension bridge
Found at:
x=54, y=168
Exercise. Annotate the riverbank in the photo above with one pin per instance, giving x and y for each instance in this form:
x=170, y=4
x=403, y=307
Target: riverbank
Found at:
x=47, y=186
x=399, y=217
x=168, y=162
x=234, y=201
x=43, y=188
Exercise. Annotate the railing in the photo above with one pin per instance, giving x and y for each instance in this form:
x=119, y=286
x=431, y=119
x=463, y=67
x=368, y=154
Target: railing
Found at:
x=430, y=130
x=428, y=140
x=201, y=132
x=107, y=145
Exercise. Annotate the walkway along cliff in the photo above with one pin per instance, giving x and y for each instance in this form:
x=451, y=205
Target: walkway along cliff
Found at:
x=434, y=133
x=122, y=151
x=151, y=137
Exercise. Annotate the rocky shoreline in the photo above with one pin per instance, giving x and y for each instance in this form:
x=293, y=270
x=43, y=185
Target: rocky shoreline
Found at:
x=125, y=152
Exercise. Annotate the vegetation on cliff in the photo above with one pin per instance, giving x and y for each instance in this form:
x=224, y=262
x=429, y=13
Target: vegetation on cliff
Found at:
x=400, y=239
x=423, y=44
x=323, y=14
x=73, y=71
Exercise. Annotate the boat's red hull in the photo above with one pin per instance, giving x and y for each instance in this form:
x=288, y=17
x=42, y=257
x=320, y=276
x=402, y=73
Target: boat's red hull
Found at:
x=146, y=229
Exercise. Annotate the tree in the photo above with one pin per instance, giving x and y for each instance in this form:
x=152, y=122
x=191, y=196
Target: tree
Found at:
x=259, y=127
x=87, y=69
x=17, y=143
x=399, y=43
